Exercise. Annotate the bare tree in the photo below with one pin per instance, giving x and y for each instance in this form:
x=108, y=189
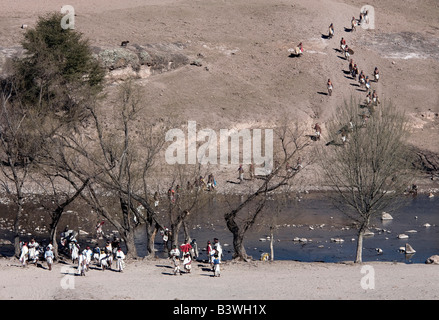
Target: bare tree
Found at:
x=19, y=146
x=291, y=141
x=117, y=155
x=184, y=201
x=369, y=164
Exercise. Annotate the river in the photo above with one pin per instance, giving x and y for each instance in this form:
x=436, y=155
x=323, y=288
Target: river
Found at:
x=312, y=218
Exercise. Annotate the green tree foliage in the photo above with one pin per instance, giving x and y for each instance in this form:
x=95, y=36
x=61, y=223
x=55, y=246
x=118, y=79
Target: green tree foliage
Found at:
x=58, y=72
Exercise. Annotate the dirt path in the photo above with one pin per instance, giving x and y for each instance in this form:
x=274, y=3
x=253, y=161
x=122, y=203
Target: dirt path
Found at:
x=281, y=280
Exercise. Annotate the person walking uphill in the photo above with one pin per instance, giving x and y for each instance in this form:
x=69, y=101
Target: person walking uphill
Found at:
x=330, y=87
x=240, y=173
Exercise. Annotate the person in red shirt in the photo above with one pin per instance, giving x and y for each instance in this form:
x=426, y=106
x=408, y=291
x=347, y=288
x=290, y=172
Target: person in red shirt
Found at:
x=186, y=247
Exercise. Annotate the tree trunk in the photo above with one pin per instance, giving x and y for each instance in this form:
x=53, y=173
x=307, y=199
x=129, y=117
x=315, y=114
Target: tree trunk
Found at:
x=187, y=235
x=359, y=255
x=271, y=244
x=130, y=244
x=151, y=232
x=238, y=246
x=238, y=238
x=16, y=227
x=56, y=216
x=52, y=238
x=128, y=230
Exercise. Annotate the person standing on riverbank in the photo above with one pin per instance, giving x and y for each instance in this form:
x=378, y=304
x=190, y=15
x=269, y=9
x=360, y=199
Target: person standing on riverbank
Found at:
x=74, y=251
x=186, y=247
x=87, y=255
x=216, y=266
x=209, y=250
x=33, y=251
x=24, y=254
x=187, y=263
x=175, y=256
x=194, y=250
x=81, y=264
x=48, y=256
x=218, y=248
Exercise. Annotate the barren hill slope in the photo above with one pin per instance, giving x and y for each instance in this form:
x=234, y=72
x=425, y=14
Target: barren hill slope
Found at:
x=245, y=76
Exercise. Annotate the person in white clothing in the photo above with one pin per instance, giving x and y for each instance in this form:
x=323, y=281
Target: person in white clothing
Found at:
x=33, y=251
x=120, y=256
x=175, y=256
x=218, y=248
x=81, y=264
x=48, y=256
x=87, y=255
x=187, y=266
x=216, y=266
x=74, y=251
x=24, y=254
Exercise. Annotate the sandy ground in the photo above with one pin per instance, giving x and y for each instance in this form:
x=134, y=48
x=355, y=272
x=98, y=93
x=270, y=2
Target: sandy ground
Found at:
x=256, y=280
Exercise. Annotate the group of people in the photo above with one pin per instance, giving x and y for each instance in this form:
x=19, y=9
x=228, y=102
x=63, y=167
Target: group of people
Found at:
x=199, y=183
x=347, y=51
x=103, y=257
x=187, y=252
x=372, y=99
x=31, y=251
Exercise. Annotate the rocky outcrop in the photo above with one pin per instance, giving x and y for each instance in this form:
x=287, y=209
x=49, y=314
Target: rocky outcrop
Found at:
x=6, y=54
x=130, y=61
x=426, y=161
x=141, y=61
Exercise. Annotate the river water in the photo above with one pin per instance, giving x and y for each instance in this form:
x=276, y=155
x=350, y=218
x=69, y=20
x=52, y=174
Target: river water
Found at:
x=313, y=218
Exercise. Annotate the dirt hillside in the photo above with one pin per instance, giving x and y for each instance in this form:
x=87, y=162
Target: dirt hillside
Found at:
x=245, y=77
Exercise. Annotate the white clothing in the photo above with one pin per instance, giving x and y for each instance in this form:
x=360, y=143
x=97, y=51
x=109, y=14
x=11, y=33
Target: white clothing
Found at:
x=175, y=252
x=75, y=252
x=87, y=254
x=187, y=263
x=81, y=264
x=24, y=254
x=219, y=250
x=33, y=251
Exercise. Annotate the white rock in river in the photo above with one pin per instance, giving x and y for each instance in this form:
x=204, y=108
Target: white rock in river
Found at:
x=411, y=231
x=403, y=236
x=409, y=249
x=339, y=240
x=386, y=216
x=433, y=259
x=427, y=225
